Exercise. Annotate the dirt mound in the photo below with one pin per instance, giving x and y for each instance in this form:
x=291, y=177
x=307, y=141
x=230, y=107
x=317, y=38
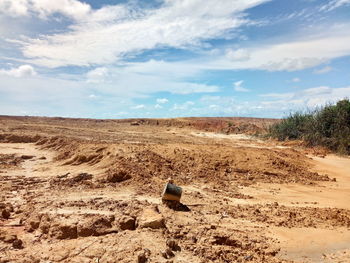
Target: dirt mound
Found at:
x=17, y=138
x=58, y=143
x=231, y=125
x=147, y=164
x=80, y=159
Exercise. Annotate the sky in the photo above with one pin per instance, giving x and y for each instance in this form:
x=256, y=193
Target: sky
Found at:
x=172, y=58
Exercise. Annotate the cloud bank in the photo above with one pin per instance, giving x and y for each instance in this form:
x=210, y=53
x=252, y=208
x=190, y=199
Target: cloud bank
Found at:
x=114, y=32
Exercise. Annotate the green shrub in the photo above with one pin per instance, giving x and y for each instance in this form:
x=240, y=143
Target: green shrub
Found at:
x=327, y=126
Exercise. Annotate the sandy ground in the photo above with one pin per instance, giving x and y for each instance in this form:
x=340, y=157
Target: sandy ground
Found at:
x=89, y=191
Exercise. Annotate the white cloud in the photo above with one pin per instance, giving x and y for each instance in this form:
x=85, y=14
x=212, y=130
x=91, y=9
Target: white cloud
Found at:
x=241, y=89
x=231, y=106
x=183, y=106
x=273, y=104
x=162, y=100
x=157, y=106
x=106, y=38
x=138, y=107
x=295, y=80
x=132, y=81
x=97, y=75
x=43, y=8
x=334, y=4
x=310, y=98
x=238, y=83
x=144, y=78
x=238, y=86
x=113, y=33
x=277, y=95
x=14, y=7
x=292, y=54
x=323, y=70
x=20, y=72
x=39, y=95
x=210, y=98
x=237, y=55
x=122, y=113
x=71, y=8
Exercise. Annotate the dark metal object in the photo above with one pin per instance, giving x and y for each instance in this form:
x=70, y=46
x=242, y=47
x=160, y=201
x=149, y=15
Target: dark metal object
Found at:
x=172, y=192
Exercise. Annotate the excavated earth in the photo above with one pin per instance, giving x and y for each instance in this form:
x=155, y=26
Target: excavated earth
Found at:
x=80, y=190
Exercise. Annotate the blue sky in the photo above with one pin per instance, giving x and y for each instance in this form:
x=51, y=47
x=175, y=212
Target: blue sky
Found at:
x=172, y=58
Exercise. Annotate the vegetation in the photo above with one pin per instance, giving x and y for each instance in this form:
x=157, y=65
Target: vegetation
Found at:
x=327, y=126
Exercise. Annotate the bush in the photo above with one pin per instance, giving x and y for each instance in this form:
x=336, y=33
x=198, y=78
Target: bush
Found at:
x=327, y=126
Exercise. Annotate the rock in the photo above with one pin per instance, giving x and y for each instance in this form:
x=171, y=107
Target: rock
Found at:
x=32, y=223
x=85, y=230
x=63, y=231
x=172, y=244
x=96, y=226
x=5, y=213
x=127, y=223
x=150, y=218
x=17, y=244
x=27, y=157
x=167, y=253
x=143, y=256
